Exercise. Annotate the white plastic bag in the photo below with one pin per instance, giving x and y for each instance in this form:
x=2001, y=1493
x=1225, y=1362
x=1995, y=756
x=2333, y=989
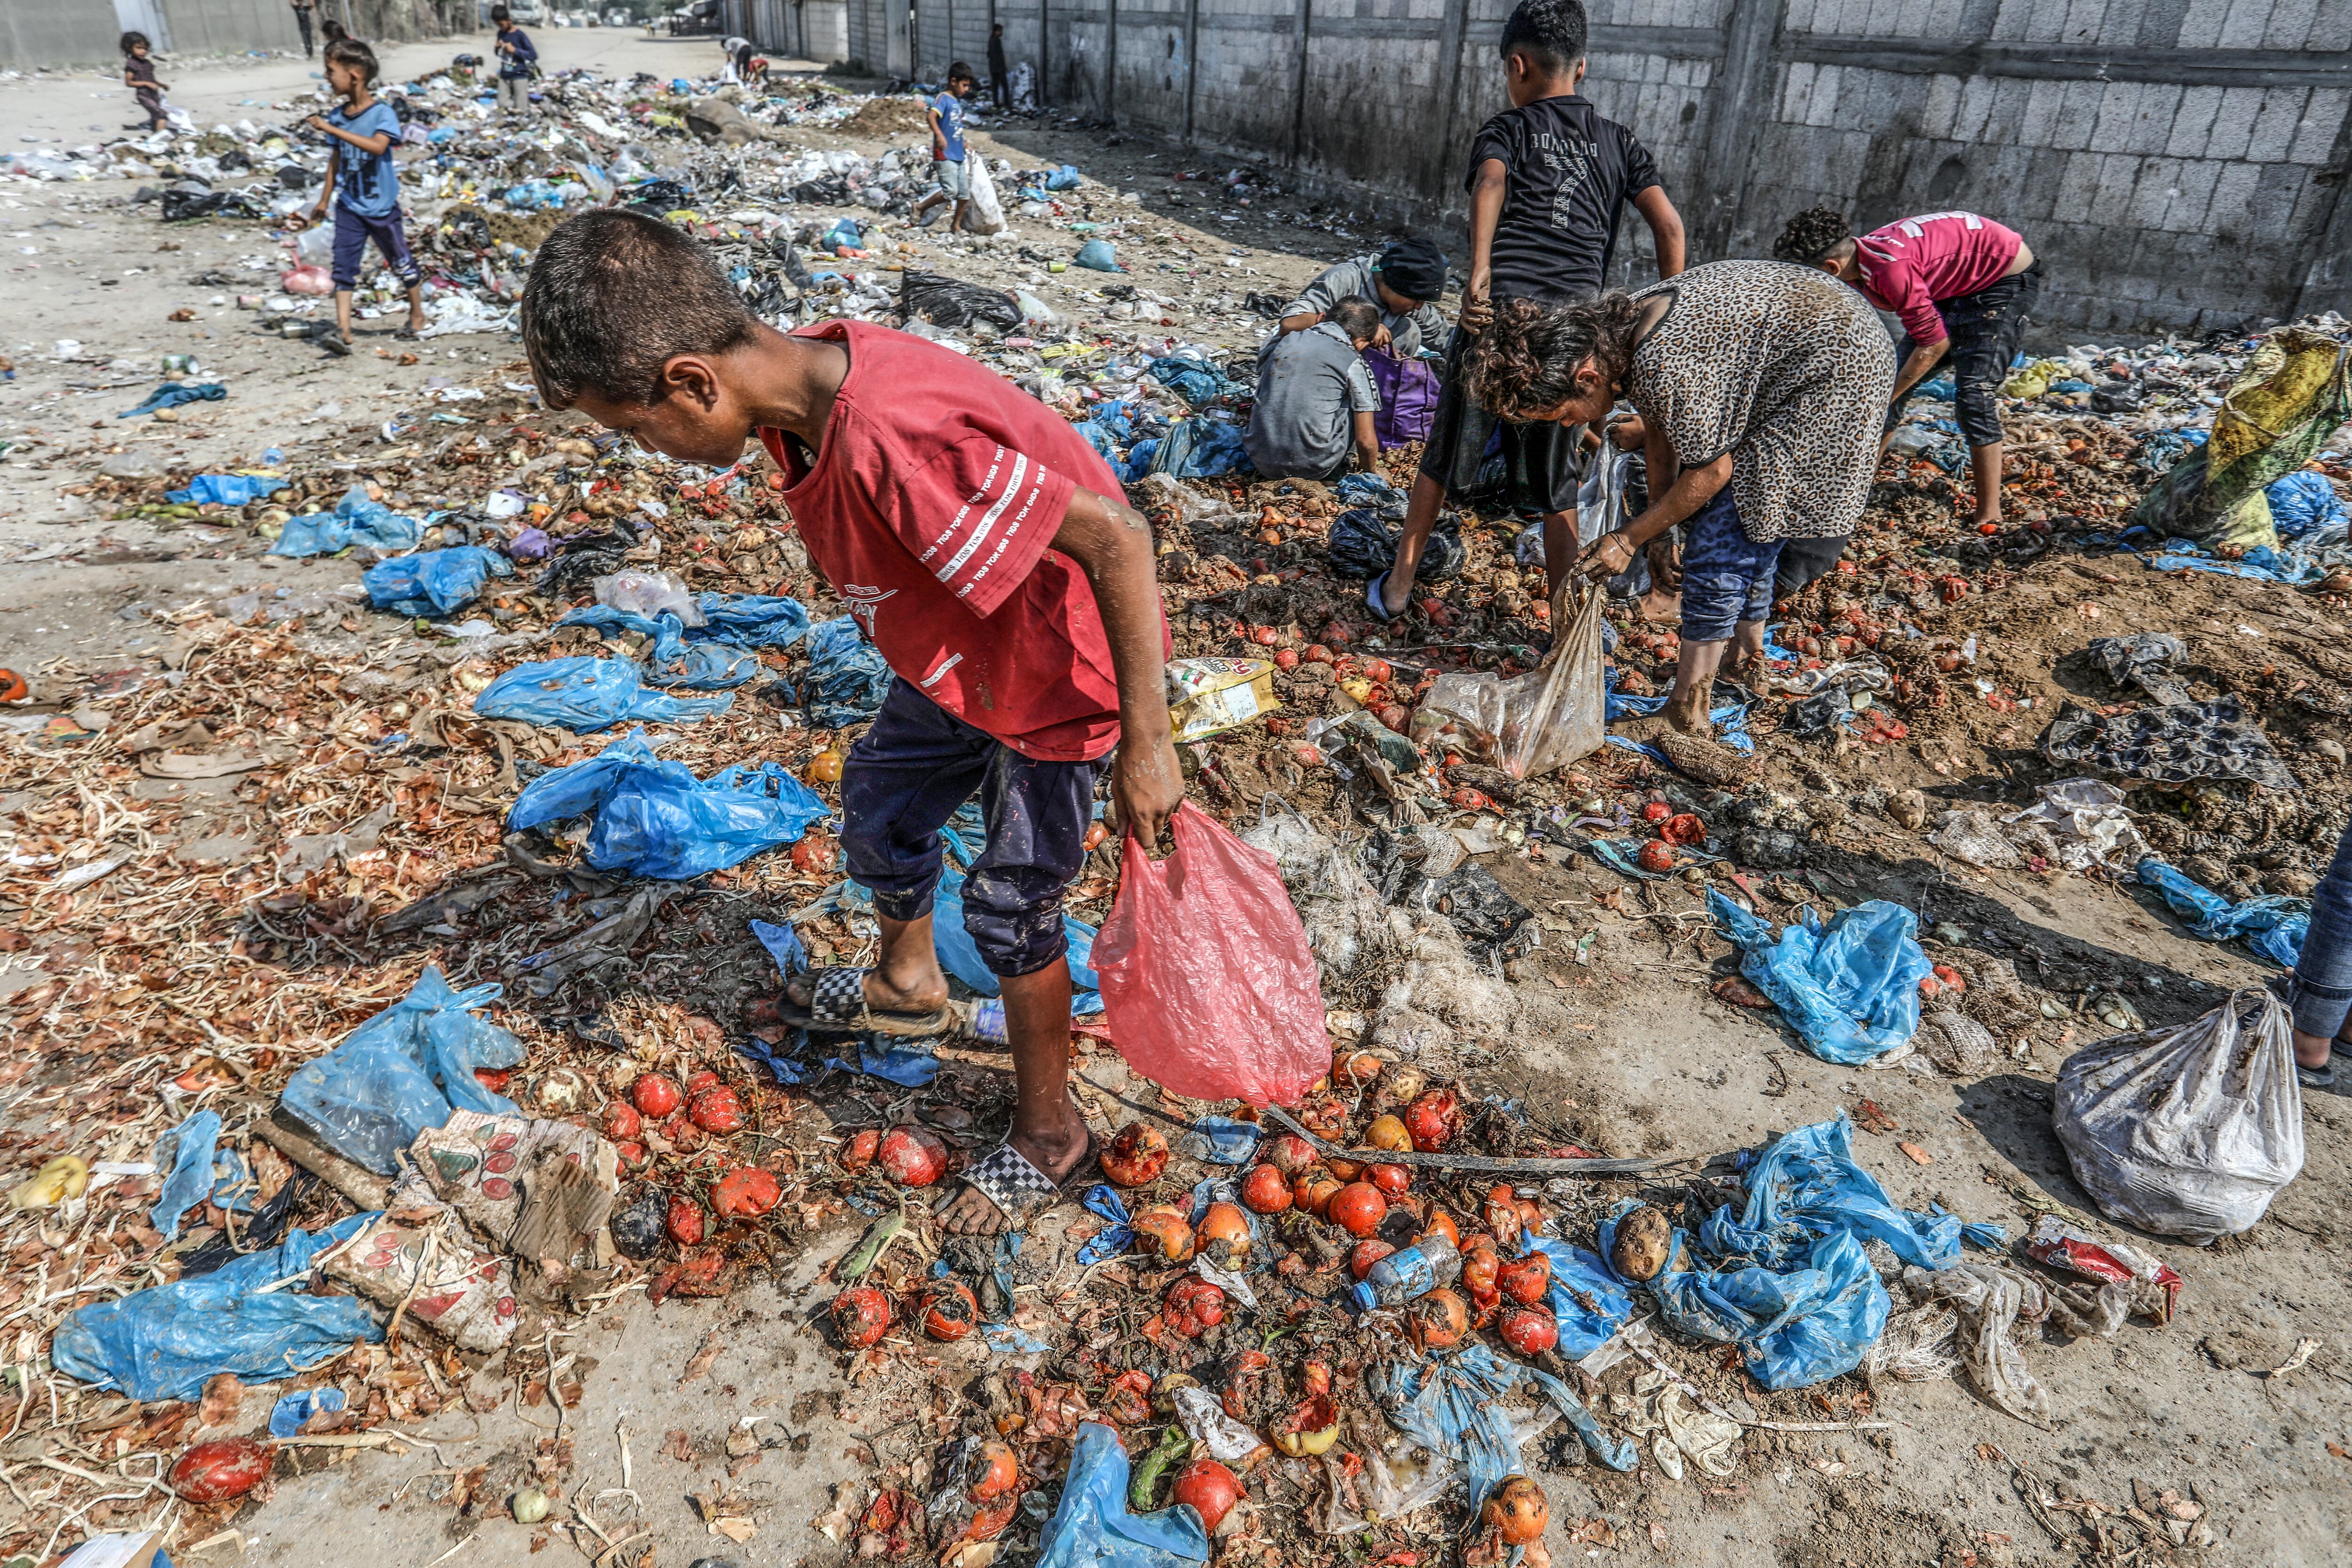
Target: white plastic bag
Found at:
x=2188, y=1132
x=1527, y=725
x=985, y=214
x=649, y=593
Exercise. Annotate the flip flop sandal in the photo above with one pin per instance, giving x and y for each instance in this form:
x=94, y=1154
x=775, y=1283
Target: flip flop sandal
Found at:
x=1372, y=599
x=837, y=1006
x=1019, y=1190
x=406, y=334
x=2315, y=1077
x=334, y=345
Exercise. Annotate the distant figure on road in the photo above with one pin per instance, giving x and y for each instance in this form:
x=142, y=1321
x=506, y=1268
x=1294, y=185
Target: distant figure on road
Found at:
x=305, y=14
x=999, y=74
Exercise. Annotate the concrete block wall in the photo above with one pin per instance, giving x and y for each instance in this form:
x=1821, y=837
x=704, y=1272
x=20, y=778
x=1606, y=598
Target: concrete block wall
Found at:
x=2180, y=163
x=34, y=34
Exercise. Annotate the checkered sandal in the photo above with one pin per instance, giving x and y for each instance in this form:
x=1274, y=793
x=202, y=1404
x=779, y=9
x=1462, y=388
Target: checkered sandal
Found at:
x=1018, y=1189
x=837, y=1006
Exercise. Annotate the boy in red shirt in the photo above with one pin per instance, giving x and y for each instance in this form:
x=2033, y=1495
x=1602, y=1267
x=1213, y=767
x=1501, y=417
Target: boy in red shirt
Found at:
x=984, y=548
x=1961, y=285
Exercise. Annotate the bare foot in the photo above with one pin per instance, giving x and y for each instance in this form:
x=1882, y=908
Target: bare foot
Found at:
x=1688, y=708
x=1054, y=1150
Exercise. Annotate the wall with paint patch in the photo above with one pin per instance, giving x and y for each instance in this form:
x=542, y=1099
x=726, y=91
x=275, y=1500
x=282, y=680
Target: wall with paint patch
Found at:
x=2180, y=163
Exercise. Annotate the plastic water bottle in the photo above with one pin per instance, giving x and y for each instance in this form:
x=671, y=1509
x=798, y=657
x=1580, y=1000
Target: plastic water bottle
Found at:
x=1415, y=1271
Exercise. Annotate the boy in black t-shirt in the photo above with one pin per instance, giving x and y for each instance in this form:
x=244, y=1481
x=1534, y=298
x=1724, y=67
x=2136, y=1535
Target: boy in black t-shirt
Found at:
x=1549, y=177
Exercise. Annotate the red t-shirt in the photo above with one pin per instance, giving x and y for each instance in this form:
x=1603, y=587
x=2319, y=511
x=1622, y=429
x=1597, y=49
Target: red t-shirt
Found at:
x=1913, y=262
x=931, y=507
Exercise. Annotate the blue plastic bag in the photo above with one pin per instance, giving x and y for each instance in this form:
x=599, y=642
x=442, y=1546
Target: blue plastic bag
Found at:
x=434, y=583
x=959, y=957
x=404, y=1071
x=1850, y=988
x=1097, y=256
x=1453, y=1404
x=1091, y=1527
x=1064, y=178
x=225, y=489
x=163, y=1343
x=356, y=520
x=1806, y=1186
x=584, y=694
x=754, y=620
x=2272, y=926
x=196, y=1169
x=1586, y=1297
x=1200, y=448
x=1193, y=380
x=2301, y=502
x=288, y=1415
x=1794, y=1326
x=654, y=818
x=172, y=394
x=847, y=678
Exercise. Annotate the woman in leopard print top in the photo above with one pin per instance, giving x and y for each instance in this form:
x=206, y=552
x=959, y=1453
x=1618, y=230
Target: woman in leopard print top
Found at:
x=1761, y=387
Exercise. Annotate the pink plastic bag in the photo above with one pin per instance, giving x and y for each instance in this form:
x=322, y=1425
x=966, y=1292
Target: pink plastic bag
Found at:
x=1206, y=976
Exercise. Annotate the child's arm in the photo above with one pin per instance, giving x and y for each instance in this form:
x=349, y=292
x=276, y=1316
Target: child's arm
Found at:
x=1112, y=545
x=1666, y=228
x=939, y=134
x=1368, y=443
x=1485, y=211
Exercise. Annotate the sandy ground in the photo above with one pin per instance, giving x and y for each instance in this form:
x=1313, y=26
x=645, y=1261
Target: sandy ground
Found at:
x=1656, y=1066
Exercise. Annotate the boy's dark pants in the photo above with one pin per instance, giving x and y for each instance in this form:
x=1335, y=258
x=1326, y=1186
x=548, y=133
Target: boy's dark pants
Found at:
x=352, y=233
x=910, y=772
x=1984, y=329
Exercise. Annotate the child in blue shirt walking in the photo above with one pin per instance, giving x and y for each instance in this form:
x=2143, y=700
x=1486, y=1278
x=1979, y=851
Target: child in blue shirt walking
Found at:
x=518, y=62
x=948, y=165
x=364, y=184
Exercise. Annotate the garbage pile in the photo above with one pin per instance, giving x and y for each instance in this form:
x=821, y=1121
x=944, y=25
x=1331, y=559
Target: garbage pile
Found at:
x=414, y=946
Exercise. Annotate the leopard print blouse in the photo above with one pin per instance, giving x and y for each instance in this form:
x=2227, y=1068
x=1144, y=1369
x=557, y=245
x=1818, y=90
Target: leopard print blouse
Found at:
x=1785, y=368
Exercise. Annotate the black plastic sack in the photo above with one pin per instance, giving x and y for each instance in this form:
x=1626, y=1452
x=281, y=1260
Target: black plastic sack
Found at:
x=949, y=302
x=1363, y=543
x=181, y=204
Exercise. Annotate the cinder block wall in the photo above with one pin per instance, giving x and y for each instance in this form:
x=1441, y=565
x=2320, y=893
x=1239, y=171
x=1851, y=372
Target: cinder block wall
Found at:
x=2180, y=163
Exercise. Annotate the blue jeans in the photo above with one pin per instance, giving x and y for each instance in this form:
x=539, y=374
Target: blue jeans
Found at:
x=1727, y=576
x=910, y=772
x=2320, y=990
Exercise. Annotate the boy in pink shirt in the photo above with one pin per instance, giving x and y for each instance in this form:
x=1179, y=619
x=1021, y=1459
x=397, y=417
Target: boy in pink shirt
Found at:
x=1962, y=285
x=989, y=555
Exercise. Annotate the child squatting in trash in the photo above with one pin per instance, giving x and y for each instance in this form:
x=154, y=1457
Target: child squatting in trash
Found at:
x=983, y=548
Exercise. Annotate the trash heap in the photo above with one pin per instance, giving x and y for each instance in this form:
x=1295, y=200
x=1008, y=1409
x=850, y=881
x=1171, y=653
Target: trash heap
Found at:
x=411, y=947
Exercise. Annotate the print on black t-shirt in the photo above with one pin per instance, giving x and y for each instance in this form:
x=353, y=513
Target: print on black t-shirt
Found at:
x=1568, y=172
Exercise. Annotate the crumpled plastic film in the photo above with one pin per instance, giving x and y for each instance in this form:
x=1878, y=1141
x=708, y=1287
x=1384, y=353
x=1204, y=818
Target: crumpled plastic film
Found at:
x=1849, y=988
x=2273, y=925
x=163, y=1343
x=403, y=1071
x=1092, y=1526
x=654, y=818
x=583, y=695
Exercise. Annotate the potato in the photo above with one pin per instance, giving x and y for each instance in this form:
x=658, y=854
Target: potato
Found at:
x=1643, y=1238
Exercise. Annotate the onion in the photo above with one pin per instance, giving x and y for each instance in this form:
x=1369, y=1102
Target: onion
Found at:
x=1517, y=1511
x=1388, y=1133
x=654, y=1095
x=717, y=1109
x=1224, y=1237
x=1438, y=1319
x=621, y=1122
x=1358, y=1208
x=859, y=1151
x=1312, y=1190
x=1290, y=1153
x=1391, y=1180
x=1137, y=1156
x=861, y=1316
x=1209, y=1489
x=1161, y=1229
x=1265, y=1191
x=529, y=1506
x=913, y=1156
x=217, y=1471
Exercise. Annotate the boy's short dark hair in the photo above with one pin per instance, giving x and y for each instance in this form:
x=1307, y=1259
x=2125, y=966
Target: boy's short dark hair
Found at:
x=1550, y=33
x=1811, y=236
x=501, y=13
x=351, y=52
x=1356, y=316
x=612, y=295
x=960, y=72
x=134, y=40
